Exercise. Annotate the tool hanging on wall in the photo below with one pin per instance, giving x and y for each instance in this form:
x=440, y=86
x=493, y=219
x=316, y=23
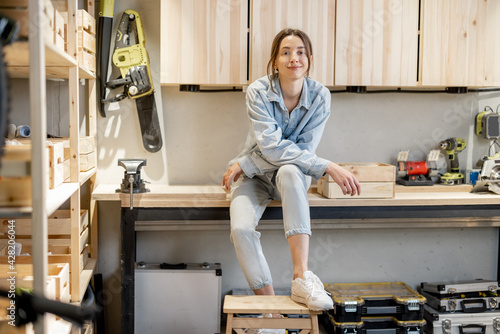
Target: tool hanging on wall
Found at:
x=453, y=146
x=104, y=32
x=417, y=173
x=487, y=124
x=131, y=58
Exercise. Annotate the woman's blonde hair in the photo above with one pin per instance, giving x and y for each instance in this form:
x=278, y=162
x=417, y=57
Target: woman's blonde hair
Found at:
x=275, y=48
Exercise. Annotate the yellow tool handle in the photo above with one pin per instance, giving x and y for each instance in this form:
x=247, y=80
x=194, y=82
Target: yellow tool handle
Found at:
x=107, y=8
x=138, y=24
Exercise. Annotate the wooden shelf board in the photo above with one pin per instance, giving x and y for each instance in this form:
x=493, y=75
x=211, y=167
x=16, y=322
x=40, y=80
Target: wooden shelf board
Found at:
x=56, y=197
x=85, y=74
x=57, y=62
x=85, y=276
x=85, y=176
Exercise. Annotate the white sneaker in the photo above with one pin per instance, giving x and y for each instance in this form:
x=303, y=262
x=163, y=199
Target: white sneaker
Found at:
x=265, y=331
x=311, y=292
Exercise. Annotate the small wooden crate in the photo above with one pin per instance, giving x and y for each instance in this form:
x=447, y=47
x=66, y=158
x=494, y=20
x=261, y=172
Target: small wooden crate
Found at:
x=86, y=39
x=88, y=161
x=24, y=282
x=87, y=146
x=59, y=272
x=377, y=181
x=55, y=153
x=18, y=11
x=60, y=250
x=58, y=224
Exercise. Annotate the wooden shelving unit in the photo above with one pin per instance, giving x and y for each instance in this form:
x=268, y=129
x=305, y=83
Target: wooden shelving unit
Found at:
x=39, y=60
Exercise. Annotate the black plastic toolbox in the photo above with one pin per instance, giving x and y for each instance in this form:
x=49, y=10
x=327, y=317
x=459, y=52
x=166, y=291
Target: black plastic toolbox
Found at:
x=376, y=325
x=352, y=301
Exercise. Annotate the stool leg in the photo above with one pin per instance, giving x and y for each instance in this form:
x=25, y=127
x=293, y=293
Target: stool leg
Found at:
x=314, y=323
x=229, y=325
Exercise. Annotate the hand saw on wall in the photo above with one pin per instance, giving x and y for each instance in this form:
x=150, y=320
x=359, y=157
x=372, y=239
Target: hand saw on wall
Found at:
x=131, y=58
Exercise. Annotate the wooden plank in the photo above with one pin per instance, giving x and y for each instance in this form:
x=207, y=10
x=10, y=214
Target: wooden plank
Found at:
x=264, y=304
x=316, y=19
x=436, y=188
x=84, y=239
x=86, y=276
x=56, y=175
x=78, y=242
x=249, y=322
x=59, y=31
x=93, y=222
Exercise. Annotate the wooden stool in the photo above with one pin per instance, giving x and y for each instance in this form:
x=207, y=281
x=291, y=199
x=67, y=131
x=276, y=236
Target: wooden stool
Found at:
x=268, y=304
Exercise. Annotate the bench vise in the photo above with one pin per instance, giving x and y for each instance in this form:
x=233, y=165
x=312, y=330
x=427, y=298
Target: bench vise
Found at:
x=132, y=182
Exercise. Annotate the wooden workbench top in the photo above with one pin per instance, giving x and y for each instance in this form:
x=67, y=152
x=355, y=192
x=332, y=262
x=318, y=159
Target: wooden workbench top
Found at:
x=215, y=196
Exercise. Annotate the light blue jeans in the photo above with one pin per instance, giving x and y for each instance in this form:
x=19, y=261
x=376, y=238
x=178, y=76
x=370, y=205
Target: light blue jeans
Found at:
x=250, y=198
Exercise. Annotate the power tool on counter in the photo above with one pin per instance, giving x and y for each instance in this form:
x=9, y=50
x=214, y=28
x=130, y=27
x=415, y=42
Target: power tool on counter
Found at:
x=453, y=146
x=131, y=58
x=417, y=173
x=489, y=178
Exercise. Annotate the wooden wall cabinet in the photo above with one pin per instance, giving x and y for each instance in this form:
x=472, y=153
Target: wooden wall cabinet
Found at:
x=204, y=42
x=376, y=43
x=316, y=18
x=461, y=43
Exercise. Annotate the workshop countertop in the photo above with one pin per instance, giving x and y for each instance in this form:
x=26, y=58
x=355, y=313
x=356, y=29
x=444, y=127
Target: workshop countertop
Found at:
x=216, y=196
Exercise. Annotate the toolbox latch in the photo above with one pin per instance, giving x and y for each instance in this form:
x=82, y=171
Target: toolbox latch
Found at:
x=413, y=305
x=496, y=325
x=350, y=331
x=452, y=304
x=446, y=326
x=493, y=303
x=412, y=330
x=351, y=306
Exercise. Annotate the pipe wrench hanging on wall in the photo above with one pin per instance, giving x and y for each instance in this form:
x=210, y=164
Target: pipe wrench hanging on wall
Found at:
x=131, y=58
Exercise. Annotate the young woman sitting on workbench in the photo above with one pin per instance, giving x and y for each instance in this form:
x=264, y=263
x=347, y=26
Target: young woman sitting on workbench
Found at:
x=287, y=112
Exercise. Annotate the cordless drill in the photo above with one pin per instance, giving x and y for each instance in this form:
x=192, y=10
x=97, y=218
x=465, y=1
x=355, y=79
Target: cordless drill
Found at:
x=453, y=146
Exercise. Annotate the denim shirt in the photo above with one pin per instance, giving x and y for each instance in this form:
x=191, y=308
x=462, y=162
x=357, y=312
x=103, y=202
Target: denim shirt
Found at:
x=277, y=137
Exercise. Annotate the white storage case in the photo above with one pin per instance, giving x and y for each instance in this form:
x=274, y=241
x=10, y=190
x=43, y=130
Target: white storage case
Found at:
x=178, y=300
x=461, y=323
